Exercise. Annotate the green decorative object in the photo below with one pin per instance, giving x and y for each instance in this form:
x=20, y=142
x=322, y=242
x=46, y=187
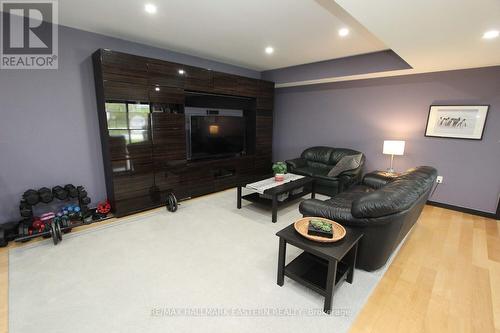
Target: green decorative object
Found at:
x=320, y=228
x=324, y=226
x=279, y=168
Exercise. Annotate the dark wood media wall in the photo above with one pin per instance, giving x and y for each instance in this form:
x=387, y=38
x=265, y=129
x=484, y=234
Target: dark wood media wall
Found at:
x=143, y=129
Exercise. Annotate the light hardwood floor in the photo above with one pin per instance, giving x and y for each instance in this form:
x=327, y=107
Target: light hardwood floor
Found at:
x=445, y=278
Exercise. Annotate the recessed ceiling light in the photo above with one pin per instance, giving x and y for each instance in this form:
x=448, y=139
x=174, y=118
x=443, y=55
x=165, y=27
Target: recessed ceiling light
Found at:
x=157, y=88
x=343, y=32
x=491, y=34
x=181, y=72
x=150, y=8
x=269, y=50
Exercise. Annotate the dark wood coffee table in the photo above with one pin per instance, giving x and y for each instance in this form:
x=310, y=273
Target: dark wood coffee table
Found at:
x=322, y=266
x=307, y=183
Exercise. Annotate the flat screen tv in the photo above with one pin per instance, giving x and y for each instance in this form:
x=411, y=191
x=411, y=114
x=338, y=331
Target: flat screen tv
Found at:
x=216, y=136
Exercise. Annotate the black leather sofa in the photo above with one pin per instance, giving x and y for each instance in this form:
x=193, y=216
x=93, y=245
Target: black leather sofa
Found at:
x=383, y=208
x=316, y=162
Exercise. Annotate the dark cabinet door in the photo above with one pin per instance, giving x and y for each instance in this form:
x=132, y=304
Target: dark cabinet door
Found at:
x=129, y=206
x=182, y=179
x=169, y=136
x=121, y=67
x=266, y=88
x=169, y=153
x=124, y=61
x=264, y=135
x=121, y=91
x=167, y=95
x=248, y=87
x=120, y=150
x=232, y=172
x=126, y=76
x=264, y=102
x=198, y=79
x=265, y=98
x=132, y=177
x=225, y=83
x=263, y=165
x=166, y=74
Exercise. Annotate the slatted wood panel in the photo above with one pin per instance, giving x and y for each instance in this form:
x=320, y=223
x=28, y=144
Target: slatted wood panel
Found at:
x=248, y=87
x=198, y=79
x=124, y=64
x=225, y=83
x=169, y=136
x=165, y=73
x=264, y=135
x=122, y=91
x=166, y=95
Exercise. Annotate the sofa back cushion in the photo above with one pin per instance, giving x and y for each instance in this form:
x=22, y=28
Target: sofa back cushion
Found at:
x=319, y=155
x=397, y=195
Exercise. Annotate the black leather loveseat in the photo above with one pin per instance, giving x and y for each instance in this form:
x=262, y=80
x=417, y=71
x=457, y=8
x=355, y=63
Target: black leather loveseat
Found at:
x=383, y=208
x=317, y=162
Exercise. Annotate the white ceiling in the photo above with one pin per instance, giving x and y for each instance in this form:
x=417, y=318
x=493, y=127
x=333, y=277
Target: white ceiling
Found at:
x=433, y=35
x=231, y=31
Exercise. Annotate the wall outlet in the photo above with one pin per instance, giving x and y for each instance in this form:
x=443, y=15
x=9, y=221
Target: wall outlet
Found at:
x=439, y=179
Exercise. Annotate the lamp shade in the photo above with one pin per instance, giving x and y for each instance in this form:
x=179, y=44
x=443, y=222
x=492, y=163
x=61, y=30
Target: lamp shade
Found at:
x=394, y=147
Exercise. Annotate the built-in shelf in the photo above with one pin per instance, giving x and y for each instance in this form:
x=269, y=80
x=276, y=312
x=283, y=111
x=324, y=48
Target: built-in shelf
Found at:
x=145, y=149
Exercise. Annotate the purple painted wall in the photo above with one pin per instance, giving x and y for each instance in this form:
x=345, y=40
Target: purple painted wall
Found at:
x=361, y=114
x=48, y=127
x=361, y=64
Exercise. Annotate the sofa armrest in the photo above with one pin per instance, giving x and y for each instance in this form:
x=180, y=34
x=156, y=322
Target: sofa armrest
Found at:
x=342, y=215
x=377, y=179
x=296, y=163
x=349, y=178
x=315, y=207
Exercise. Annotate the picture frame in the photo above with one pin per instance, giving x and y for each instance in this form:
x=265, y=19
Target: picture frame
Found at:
x=457, y=121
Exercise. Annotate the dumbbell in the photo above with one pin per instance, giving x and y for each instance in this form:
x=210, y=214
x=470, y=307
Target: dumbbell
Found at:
x=59, y=193
x=45, y=195
x=24, y=228
x=72, y=191
x=84, y=209
x=55, y=232
x=85, y=201
x=25, y=209
x=81, y=192
x=63, y=221
x=31, y=197
x=171, y=204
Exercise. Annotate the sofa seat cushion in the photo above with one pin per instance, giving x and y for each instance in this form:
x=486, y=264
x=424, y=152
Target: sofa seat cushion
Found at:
x=311, y=171
x=318, y=165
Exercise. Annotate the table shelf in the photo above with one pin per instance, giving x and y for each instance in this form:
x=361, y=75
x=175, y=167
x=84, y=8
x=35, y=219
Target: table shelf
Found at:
x=256, y=198
x=311, y=271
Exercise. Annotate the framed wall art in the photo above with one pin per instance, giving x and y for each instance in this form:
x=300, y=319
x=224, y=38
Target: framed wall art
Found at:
x=457, y=121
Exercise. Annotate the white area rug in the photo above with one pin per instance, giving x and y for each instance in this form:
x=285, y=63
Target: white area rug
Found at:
x=142, y=274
